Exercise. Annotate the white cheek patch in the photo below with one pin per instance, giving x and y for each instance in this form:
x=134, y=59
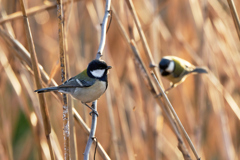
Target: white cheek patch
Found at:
x=170, y=67
x=98, y=72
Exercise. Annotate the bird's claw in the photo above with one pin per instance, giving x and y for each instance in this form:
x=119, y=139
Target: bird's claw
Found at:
x=158, y=95
x=93, y=112
x=94, y=138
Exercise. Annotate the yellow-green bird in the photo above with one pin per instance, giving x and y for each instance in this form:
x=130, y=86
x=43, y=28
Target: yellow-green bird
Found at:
x=176, y=70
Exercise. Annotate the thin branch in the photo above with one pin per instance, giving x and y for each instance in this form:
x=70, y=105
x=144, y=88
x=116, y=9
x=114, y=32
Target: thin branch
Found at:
x=32, y=11
x=66, y=132
x=104, y=29
x=234, y=16
x=92, y=132
x=98, y=56
x=44, y=110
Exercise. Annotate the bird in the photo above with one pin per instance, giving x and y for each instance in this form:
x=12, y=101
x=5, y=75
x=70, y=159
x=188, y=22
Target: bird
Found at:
x=176, y=70
x=87, y=86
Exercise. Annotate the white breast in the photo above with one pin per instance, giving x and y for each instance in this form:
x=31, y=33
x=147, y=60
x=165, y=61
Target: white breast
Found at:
x=89, y=94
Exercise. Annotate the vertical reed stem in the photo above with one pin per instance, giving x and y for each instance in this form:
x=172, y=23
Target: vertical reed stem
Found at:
x=43, y=106
x=66, y=132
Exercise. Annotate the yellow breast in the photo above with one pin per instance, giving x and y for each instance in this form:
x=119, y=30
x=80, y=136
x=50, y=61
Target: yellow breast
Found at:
x=175, y=80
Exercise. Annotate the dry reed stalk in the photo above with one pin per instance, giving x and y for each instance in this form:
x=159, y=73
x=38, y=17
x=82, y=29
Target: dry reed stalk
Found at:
x=7, y=26
x=57, y=149
x=36, y=126
x=154, y=69
x=32, y=11
x=177, y=119
x=37, y=75
x=62, y=54
x=147, y=51
x=152, y=86
x=24, y=57
x=234, y=16
x=73, y=146
x=7, y=68
x=127, y=39
x=181, y=144
x=112, y=123
x=168, y=149
x=152, y=64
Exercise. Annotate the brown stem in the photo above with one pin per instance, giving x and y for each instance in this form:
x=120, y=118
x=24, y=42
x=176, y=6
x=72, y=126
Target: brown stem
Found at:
x=43, y=106
x=62, y=55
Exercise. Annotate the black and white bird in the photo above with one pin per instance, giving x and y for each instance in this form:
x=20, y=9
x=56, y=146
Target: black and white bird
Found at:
x=87, y=86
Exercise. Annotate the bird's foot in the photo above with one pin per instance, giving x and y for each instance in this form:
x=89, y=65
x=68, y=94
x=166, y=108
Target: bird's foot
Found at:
x=93, y=110
x=158, y=95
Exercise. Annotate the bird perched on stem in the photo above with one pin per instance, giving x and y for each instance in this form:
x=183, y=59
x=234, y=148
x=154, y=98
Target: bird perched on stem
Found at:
x=87, y=86
x=176, y=70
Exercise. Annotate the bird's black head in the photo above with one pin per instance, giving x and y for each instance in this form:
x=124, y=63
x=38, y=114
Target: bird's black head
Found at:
x=166, y=66
x=164, y=63
x=98, y=69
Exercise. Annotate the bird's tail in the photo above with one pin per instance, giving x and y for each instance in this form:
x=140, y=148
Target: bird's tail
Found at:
x=199, y=70
x=46, y=89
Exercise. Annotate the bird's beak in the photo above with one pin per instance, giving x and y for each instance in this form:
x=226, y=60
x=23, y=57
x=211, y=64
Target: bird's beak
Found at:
x=109, y=67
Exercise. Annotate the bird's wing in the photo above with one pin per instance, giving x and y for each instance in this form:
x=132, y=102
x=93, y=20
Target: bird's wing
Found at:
x=188, y=67
x=182, y=67
x=81, y=80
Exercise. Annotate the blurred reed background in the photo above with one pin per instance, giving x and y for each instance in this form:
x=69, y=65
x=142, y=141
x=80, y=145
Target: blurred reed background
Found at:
x=130, y=123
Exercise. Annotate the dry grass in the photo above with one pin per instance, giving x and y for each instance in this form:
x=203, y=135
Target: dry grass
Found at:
x=130, y=125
